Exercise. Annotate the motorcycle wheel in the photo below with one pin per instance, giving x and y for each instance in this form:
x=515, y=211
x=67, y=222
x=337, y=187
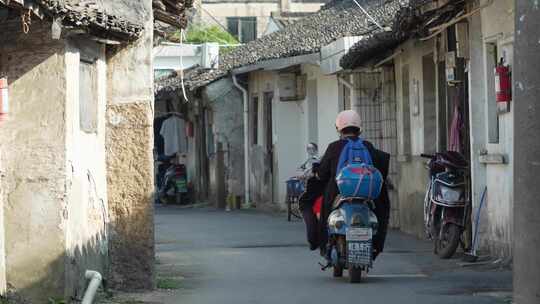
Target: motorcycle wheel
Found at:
x=355, y=274
x=447, y=245
x=338, y=271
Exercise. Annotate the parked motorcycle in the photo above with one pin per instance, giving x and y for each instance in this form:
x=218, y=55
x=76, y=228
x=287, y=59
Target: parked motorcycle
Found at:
x=175, y=185
x=446, y=203
x=351, y=226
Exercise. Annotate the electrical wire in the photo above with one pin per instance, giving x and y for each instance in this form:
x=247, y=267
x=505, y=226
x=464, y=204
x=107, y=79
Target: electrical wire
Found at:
x=369, y=16
x=182, y=37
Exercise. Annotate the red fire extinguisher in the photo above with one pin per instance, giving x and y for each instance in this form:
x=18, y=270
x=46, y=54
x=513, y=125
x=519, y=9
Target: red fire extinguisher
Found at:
x=4, y=102
x=503, y=83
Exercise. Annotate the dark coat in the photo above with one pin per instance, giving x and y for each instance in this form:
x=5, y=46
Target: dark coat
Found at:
x=326, y=185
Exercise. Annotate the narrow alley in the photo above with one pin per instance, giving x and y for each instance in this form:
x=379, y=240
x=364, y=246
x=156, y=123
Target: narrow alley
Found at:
x=269, y=151
x=251, y=257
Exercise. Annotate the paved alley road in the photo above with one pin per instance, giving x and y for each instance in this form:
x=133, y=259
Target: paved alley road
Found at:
x=249, y=257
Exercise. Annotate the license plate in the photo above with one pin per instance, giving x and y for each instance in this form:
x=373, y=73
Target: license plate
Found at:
x=359, y=234
x=359, y=246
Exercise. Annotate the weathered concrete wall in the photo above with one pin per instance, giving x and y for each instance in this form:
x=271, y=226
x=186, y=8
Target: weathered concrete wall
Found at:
x=33, y=160
x=227, y=106
x=129, y=142
x=413, y=176
x=262, y=163
x=413, y=179
x=477, y=110
x=497, y=27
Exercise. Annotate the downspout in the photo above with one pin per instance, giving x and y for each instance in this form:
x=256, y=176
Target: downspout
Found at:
x=95, y=281
x=246, y=139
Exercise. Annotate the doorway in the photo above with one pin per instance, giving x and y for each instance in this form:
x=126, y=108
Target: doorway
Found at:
x=268, y=98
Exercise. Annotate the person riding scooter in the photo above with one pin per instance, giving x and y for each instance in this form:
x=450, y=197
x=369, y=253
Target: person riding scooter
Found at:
x=348, y=125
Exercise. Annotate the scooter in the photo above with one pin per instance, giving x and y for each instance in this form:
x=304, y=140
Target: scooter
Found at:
x=351, y=226
x=175, y=185
x=446, y=203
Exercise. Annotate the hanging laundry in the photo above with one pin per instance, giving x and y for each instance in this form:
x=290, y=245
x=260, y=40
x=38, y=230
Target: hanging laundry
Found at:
x=173, y=131
x=455, y=130
x=159, y=142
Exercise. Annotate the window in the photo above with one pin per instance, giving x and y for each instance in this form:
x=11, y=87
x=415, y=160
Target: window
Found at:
x=255, y=120
x=430, y=104
x=88, y=103
x=345, y=96
x=243, y=28
x=493, y=118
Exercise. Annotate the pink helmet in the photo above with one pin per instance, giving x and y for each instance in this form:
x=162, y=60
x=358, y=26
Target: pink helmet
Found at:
x=346, y=119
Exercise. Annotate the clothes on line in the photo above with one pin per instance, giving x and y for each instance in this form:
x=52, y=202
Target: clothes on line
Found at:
x=173, y=131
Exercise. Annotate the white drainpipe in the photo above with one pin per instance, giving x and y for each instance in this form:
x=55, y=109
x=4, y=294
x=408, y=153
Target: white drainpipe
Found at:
x=246, y=139
x=95, y=281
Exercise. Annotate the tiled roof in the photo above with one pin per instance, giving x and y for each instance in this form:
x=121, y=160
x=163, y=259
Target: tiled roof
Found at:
x=90, y=16
x=337, y=19
x=410, y=22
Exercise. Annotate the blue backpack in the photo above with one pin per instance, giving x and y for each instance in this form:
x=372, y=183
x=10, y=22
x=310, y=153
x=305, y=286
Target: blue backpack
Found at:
x=356, y=177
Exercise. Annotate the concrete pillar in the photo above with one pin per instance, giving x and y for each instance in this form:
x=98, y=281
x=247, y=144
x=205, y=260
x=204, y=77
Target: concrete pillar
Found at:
x=129, y=157
x=527, y=154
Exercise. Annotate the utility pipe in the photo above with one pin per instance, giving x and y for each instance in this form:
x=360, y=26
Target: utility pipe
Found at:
x=95, y=281
x=246, y=139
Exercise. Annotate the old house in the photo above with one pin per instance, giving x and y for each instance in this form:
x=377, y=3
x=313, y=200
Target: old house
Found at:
x=444, y=64
x=421, y=76
x=79, y=86
x=294, y=88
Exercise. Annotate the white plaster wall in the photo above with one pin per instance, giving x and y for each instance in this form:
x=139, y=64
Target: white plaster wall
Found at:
x=85, y=164
x=287, y=128
x=288, y=142
x=290, y=122
x=328, y=108
x=498, y=23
